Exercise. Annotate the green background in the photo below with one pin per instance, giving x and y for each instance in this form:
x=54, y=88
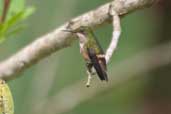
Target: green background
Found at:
x=64, y=68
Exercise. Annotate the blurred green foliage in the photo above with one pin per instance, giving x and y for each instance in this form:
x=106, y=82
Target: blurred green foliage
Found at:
x=66, y=67
x=17, y=12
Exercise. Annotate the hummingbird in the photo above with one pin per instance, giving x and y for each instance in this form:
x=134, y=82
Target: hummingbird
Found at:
x=92, y=52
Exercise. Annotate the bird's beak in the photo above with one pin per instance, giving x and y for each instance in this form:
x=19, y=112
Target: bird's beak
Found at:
x=69, y=30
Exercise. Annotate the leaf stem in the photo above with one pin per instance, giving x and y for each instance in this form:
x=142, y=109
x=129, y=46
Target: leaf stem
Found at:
x=5, y=10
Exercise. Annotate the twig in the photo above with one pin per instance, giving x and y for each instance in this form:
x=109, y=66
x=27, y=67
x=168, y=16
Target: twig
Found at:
x=115, y=35
x=56, y=40
x=5, y=10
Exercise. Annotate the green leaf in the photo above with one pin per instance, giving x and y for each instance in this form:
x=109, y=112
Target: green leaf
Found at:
x=15, y=19
x=16, y=14
x=1, y=31
x=16, y=6
x=11, y=22
x=20, y=16
x=15, y=31
x=28, y=12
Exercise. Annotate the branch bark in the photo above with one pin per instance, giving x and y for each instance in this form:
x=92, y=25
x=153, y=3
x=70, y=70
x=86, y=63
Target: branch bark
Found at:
x=58, y=39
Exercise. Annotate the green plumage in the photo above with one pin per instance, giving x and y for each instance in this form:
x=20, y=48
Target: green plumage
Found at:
x=92, y=41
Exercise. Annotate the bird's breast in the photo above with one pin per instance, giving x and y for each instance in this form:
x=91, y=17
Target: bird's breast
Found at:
x=84, y=54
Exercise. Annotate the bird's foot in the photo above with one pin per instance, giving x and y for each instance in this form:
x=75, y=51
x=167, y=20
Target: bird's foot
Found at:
x=89, y=79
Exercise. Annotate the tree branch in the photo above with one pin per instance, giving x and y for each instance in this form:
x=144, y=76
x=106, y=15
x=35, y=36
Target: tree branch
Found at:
x=58, y=39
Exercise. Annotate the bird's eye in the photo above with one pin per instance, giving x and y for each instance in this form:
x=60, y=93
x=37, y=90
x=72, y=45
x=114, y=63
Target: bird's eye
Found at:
x=81, y=30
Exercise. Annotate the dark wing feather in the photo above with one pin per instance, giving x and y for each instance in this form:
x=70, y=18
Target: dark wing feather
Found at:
x=103, y=60
x=100, y=69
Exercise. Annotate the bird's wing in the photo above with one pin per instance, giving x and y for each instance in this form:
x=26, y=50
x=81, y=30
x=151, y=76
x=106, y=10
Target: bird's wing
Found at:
x=97, y=42
x=98, y=64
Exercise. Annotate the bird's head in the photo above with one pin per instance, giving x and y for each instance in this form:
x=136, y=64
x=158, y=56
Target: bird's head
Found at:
x=82, y=30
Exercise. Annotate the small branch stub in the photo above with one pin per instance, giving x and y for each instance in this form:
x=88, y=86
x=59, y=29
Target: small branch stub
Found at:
x=116, y=33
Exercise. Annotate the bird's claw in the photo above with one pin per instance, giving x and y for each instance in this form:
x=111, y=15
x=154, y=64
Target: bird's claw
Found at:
x=89, y=79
